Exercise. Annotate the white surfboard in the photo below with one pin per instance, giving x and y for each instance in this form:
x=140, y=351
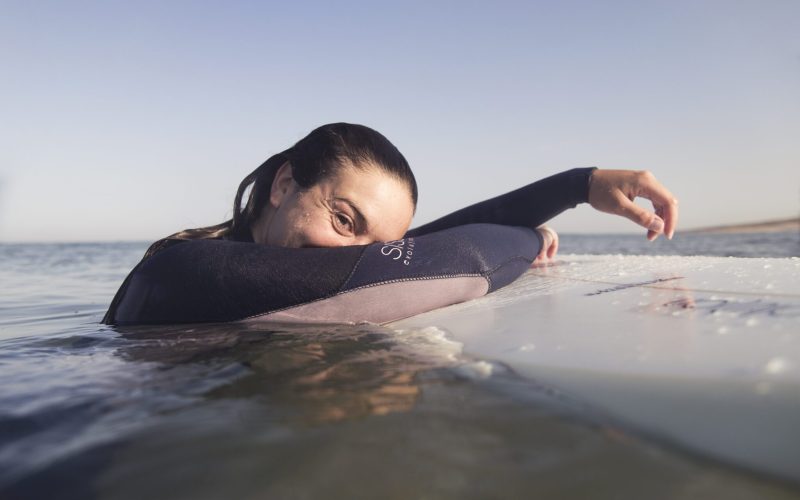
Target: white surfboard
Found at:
x=703, y=352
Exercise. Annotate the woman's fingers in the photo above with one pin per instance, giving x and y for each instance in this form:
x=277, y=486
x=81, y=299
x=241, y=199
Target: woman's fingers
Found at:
x=641, y=216
x=551, y=252
x=613, y=191
x=665, y=204
x=549, y=244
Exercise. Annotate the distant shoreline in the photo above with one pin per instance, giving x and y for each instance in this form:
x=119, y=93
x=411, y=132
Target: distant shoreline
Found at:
x=773, y=226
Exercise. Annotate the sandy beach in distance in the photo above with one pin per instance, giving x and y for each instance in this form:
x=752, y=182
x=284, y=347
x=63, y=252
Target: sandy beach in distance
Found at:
x=773, y=226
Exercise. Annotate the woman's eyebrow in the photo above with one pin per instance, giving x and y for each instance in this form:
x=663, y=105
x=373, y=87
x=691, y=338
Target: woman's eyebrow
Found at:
x=361, y=221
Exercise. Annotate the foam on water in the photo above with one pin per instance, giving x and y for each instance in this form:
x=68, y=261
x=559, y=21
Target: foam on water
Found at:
x=428, y=343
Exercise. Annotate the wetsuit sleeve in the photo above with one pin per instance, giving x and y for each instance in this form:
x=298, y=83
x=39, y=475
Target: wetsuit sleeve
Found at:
x=214, y=281
x=529, y=206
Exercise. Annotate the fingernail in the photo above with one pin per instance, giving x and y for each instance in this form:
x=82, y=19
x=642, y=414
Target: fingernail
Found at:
x=657, y=225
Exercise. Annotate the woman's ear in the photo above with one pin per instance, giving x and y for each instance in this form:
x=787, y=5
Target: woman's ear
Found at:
x=281, y=184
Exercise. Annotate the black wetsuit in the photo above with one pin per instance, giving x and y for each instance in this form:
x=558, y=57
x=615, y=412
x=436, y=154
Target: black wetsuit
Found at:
x=460, y=256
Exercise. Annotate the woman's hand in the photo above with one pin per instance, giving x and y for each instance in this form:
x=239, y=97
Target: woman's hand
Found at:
x=613, y=191
x=549, y=245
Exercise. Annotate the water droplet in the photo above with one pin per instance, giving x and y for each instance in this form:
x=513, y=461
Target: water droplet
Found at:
x=775, y=366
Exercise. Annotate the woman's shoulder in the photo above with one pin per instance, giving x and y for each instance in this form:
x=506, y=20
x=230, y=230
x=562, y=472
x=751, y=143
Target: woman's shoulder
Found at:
x=220, y=232
x=161, y=245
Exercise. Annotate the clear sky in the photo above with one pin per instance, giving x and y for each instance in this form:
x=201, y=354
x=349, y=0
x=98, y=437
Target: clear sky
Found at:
x=131, y=120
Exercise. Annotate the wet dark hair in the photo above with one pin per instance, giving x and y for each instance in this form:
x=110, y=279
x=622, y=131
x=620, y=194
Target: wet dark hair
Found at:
x=317, y=156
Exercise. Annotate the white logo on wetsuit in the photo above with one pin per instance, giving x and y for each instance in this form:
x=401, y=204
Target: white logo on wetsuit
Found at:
x=399, y=249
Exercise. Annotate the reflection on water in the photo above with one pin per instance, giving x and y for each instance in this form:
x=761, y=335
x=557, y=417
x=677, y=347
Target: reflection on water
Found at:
x=221, y=411
x=249, y=411
x=330, y=372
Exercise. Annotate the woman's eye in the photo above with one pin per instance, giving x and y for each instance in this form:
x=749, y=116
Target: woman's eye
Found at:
x=343, y=222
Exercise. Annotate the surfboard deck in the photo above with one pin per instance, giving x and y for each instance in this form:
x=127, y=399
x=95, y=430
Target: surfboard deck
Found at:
x=702, y=352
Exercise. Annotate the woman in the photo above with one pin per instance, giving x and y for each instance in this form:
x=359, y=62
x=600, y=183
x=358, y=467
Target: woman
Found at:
x=331, y=215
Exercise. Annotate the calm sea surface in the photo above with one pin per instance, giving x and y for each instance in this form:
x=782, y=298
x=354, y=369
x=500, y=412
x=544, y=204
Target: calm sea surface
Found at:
x=233, y=411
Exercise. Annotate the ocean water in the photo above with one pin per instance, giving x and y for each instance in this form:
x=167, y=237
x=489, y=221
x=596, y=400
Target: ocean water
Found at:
x=279, y=411
x=786, y=244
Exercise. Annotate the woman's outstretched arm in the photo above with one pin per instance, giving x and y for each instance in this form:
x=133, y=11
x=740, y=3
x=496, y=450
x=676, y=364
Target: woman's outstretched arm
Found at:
x=610, y=191
x=529, y=206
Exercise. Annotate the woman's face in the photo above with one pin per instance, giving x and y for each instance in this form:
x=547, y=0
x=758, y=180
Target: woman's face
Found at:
x=356, y=206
